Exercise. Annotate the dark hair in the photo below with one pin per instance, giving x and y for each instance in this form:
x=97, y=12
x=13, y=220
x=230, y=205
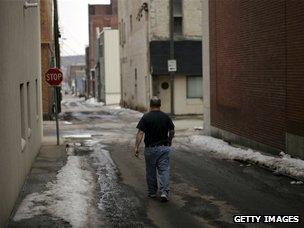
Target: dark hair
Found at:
x=155, y=102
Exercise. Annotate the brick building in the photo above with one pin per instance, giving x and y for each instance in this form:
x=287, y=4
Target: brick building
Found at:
x=100, y=16
x=256, y=73
x=47, y=56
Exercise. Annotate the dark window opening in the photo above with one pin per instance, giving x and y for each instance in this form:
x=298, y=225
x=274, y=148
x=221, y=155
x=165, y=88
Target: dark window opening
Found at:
x=178, y=25
x=165, y=85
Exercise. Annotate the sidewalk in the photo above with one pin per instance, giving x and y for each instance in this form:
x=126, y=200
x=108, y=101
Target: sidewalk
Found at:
x=49, y=161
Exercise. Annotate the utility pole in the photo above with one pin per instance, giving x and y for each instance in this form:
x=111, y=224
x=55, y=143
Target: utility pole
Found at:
x=172, y=54
x=56, y=35
x=56, y=89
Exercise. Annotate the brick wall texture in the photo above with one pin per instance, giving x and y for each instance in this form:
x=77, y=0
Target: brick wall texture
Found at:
x=100, y=16
x=257, y=66
x=47, y=43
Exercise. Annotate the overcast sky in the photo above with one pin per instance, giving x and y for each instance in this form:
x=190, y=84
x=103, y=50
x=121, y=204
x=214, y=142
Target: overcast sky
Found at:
x=73, y=22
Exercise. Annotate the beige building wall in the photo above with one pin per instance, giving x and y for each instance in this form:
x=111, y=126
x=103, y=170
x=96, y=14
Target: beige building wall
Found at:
x=137, y=28
x=192, y=19
x=159, y=19
x=184, y=105
x=134, y=46
x=19, y=64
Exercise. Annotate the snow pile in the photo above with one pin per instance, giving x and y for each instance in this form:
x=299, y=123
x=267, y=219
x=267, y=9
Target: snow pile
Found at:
x=77, y=136
x=117, y=110
x=282, y=165
x=92, y=101
x=69, y=197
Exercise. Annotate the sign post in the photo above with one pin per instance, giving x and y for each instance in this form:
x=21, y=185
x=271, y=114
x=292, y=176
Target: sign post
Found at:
x=54, y=77
x=172, y=65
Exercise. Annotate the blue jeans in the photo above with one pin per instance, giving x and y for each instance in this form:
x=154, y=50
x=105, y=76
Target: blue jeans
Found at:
x=157, y=159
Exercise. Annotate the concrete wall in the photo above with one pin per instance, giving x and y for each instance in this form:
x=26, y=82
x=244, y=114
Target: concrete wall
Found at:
x=159, y=19
x=295, y=145
x=206, y=66
x=19, y=63
x=192, y=19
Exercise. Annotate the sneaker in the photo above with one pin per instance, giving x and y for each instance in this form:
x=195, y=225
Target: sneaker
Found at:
x=152, y=196
x=164, y=198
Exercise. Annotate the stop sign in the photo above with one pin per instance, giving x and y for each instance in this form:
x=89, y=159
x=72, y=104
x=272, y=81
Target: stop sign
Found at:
x=54, y=76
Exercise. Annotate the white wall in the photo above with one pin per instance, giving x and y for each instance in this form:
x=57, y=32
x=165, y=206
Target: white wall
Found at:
x=112, y=67
x=19, y=63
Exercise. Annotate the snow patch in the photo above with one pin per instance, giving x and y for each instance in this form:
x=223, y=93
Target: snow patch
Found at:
x=284, y=164
x=68, y=197
x=93, y=101
x=296, y=182
x=78, y=136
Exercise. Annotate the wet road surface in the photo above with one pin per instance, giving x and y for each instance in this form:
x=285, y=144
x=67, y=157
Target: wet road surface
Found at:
x=205, y=191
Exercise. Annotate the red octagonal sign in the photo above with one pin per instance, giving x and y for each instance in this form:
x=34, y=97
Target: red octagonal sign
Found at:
x=54, y=76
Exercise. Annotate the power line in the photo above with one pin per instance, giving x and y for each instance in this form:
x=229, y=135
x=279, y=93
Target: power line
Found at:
x=69, y=47
x=65, y=29
x=63, y=48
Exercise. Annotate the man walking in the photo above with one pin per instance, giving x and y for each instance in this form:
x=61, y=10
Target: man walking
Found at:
x=158, y=129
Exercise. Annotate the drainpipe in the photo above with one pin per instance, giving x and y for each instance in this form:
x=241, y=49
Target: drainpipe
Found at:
x=172, y=55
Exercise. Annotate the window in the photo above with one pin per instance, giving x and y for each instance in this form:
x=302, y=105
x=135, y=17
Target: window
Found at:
x=194, y=87
x=92, y=10
x=28, y=96
x=37, y=98
x=120, y=33
x=178, y=28
x=178, y=17
x=101, y=51
x=131, y=23
x=22, y=111
x=177, y=8
x=124, y=38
